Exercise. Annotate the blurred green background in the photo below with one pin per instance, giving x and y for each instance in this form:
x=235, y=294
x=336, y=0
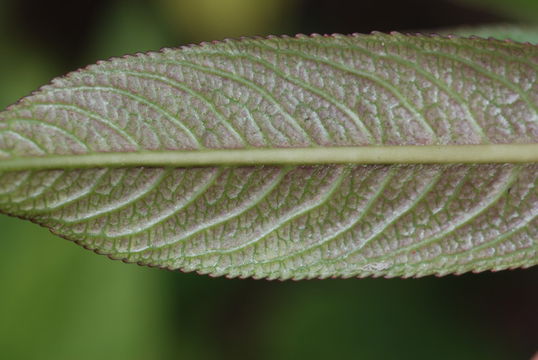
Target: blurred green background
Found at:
x=59, y=301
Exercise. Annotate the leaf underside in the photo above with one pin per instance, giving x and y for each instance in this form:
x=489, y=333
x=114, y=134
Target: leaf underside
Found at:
x=519, y=33
x=298, y=221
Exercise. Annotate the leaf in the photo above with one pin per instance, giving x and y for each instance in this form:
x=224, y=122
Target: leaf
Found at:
x=501, y=32
x=299, y=157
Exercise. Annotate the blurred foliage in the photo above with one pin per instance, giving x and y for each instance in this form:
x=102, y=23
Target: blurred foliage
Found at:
x=59, y=301
x=126, y=27
x=216, y=19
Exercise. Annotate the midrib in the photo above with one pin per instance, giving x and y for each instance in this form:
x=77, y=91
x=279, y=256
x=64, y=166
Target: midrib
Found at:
x=428, y=154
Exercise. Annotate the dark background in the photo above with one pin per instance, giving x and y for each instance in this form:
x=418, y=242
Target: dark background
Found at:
x=58, y=301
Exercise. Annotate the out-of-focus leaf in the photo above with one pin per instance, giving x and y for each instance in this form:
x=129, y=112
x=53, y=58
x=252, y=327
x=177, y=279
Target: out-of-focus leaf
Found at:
x=501, y=32
x=104, y=156
x=127, y=27
x=207, y=19
x=64, y=301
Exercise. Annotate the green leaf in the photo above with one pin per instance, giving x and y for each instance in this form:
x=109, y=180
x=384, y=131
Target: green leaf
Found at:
x=500, y=32
x=286, y=158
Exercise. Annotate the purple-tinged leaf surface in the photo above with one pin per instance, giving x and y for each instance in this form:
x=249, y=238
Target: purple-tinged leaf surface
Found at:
x=139, y=117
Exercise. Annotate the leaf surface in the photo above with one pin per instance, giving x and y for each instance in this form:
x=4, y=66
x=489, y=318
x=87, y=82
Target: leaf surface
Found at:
x=500, y=31
x=299, y=157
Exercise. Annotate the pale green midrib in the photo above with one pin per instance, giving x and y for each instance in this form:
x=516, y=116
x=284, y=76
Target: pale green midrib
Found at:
x=408, y=154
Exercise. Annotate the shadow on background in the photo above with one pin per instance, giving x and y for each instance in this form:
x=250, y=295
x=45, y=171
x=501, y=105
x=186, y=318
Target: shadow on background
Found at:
x=61, y=302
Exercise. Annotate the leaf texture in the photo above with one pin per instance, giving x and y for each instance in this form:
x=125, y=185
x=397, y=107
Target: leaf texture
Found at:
x=527, y=33
x=295, y=219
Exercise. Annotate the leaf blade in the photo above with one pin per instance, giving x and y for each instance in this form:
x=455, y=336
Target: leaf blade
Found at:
x=393, y=94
